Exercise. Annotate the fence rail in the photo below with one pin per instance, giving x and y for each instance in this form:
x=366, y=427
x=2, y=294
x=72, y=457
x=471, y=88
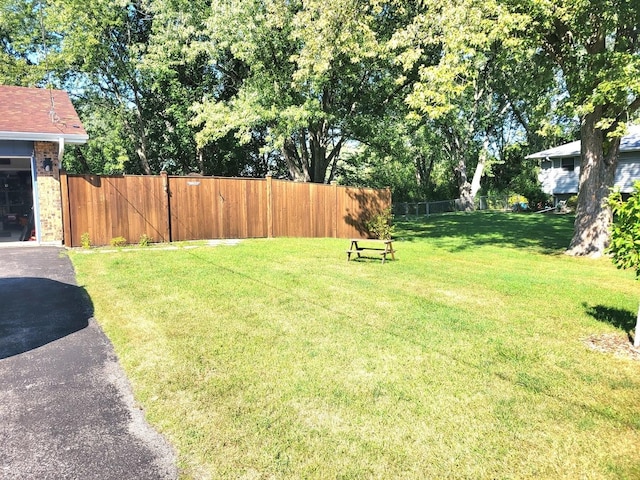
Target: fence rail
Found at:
x=426, y=209
x=171, y=208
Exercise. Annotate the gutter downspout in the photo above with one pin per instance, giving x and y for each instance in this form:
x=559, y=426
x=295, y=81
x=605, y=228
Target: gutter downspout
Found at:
x=36, y=199
x=60, y=151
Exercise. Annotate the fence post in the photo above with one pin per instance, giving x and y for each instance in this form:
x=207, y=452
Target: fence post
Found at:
x=334, y=185
x=269, y=206
x=167, y=205
x=66, y=210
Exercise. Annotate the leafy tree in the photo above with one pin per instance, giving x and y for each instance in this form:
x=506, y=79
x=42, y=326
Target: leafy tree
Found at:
x=477, y=87
x=318, y=75
x=24, y=43
x=595, y=49
x=625, y=237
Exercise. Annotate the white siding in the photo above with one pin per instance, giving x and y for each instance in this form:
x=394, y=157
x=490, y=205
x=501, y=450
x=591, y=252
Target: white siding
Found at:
x=628, y=171
x=555, y=180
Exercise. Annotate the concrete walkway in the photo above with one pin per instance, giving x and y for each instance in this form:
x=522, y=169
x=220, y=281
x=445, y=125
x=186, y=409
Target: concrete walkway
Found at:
x=66, y=409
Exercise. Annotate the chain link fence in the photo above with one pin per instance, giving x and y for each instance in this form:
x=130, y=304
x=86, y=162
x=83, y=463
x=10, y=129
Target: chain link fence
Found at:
x=426, y=209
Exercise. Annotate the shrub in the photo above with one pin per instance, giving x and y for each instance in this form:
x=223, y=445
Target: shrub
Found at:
x=518, y=203
x=118, y=242
x=380, y=225
x=85, y=240
x=538, y=200
x=144, y=240
x=572, y=202
x=625, y=237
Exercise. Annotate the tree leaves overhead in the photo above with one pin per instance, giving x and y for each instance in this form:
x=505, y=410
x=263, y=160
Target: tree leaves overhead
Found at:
x=310, y=68
x=417, y=94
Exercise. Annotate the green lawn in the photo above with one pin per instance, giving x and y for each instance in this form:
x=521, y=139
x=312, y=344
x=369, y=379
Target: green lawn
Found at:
x=465, y=358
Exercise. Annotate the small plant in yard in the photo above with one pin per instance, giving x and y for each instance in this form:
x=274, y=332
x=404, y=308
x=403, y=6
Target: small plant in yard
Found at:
x=380, y=225
x=85, y=240
x=144, y=240
x=118, y=242
x=625, y=237
x=518, y=203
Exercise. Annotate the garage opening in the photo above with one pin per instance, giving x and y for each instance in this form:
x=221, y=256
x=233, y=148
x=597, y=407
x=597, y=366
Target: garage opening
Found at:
x=16, y=200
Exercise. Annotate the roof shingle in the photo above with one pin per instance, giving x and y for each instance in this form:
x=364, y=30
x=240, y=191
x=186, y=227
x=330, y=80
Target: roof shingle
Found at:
x=29, y=111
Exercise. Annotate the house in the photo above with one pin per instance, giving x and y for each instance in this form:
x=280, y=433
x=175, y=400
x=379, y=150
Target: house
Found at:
x=560, y=166
x=35, y=126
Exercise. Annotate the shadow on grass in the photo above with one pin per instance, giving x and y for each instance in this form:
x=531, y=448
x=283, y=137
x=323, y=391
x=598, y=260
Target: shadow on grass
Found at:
x=456, y=232
x=622, y=319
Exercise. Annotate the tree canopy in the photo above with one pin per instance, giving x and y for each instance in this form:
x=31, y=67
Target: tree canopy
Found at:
x=434, y=100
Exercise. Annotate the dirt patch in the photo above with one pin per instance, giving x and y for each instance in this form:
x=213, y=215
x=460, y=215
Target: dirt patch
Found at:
x=613, y=343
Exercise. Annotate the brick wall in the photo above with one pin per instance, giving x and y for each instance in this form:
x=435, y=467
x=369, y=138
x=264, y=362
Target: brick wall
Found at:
x=49, y=196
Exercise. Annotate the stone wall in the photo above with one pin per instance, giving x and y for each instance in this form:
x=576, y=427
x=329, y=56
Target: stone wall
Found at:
x=49, y=194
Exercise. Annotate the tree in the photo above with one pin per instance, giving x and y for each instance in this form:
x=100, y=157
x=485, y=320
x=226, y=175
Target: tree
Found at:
x=460, y=95
x=316, y=69
x=595, y=49
x=625, y=237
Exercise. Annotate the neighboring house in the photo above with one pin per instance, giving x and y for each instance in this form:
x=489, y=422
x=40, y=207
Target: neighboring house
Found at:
x=35, y=126
x=560, y=166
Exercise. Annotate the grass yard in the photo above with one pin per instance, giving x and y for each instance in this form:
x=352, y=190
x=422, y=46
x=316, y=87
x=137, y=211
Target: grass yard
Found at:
x=465, y=358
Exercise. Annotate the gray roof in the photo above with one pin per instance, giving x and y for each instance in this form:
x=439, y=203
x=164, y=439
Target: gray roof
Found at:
x=630, y=143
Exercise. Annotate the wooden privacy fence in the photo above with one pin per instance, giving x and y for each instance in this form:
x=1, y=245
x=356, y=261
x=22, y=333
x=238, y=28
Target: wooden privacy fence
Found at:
x=170, y=208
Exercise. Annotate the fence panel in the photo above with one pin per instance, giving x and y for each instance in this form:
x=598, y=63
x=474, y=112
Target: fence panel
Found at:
x=290, y=210
x=303, y=209
x=212, y=207
x=197, y=207
x=106, y=207
x=406, y=209
x=355, y=206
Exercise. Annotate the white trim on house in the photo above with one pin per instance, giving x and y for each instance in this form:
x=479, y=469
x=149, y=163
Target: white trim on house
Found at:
x=629, y=143
x=73, y=139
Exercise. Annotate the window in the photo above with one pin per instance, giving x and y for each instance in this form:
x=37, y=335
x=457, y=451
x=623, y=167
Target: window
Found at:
x=568, y=164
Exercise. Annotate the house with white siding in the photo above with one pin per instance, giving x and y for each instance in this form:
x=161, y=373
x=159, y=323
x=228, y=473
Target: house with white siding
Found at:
x=560, y=166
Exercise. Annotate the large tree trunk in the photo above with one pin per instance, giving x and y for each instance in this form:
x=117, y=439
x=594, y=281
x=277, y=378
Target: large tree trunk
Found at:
x=308, y=156
x=482, y=162
x=465, y=202
x=597, y=173
x=297, y=164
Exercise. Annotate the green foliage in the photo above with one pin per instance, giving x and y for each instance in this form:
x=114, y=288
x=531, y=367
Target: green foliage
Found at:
x=85, y=240
x=118, y=242
x=572, y=202
x=381, y=225
x=318, y=73
x=144, y=240
x=625, y=230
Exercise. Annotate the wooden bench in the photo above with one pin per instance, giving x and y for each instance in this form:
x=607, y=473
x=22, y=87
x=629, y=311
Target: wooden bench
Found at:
x=383, y=247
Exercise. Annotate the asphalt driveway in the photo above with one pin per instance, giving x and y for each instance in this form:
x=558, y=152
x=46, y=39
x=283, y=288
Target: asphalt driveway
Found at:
x=66, y=409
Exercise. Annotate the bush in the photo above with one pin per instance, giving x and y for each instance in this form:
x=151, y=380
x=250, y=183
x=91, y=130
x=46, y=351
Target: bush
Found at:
x=144, y=240
x=85, y=240
x=118, y=242
x=380, y=225
x=518, y=203
x=625, y=237
x=572, y=202
x=538, y=200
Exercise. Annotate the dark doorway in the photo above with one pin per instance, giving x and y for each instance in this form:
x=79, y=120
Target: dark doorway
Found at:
x=16, y=200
